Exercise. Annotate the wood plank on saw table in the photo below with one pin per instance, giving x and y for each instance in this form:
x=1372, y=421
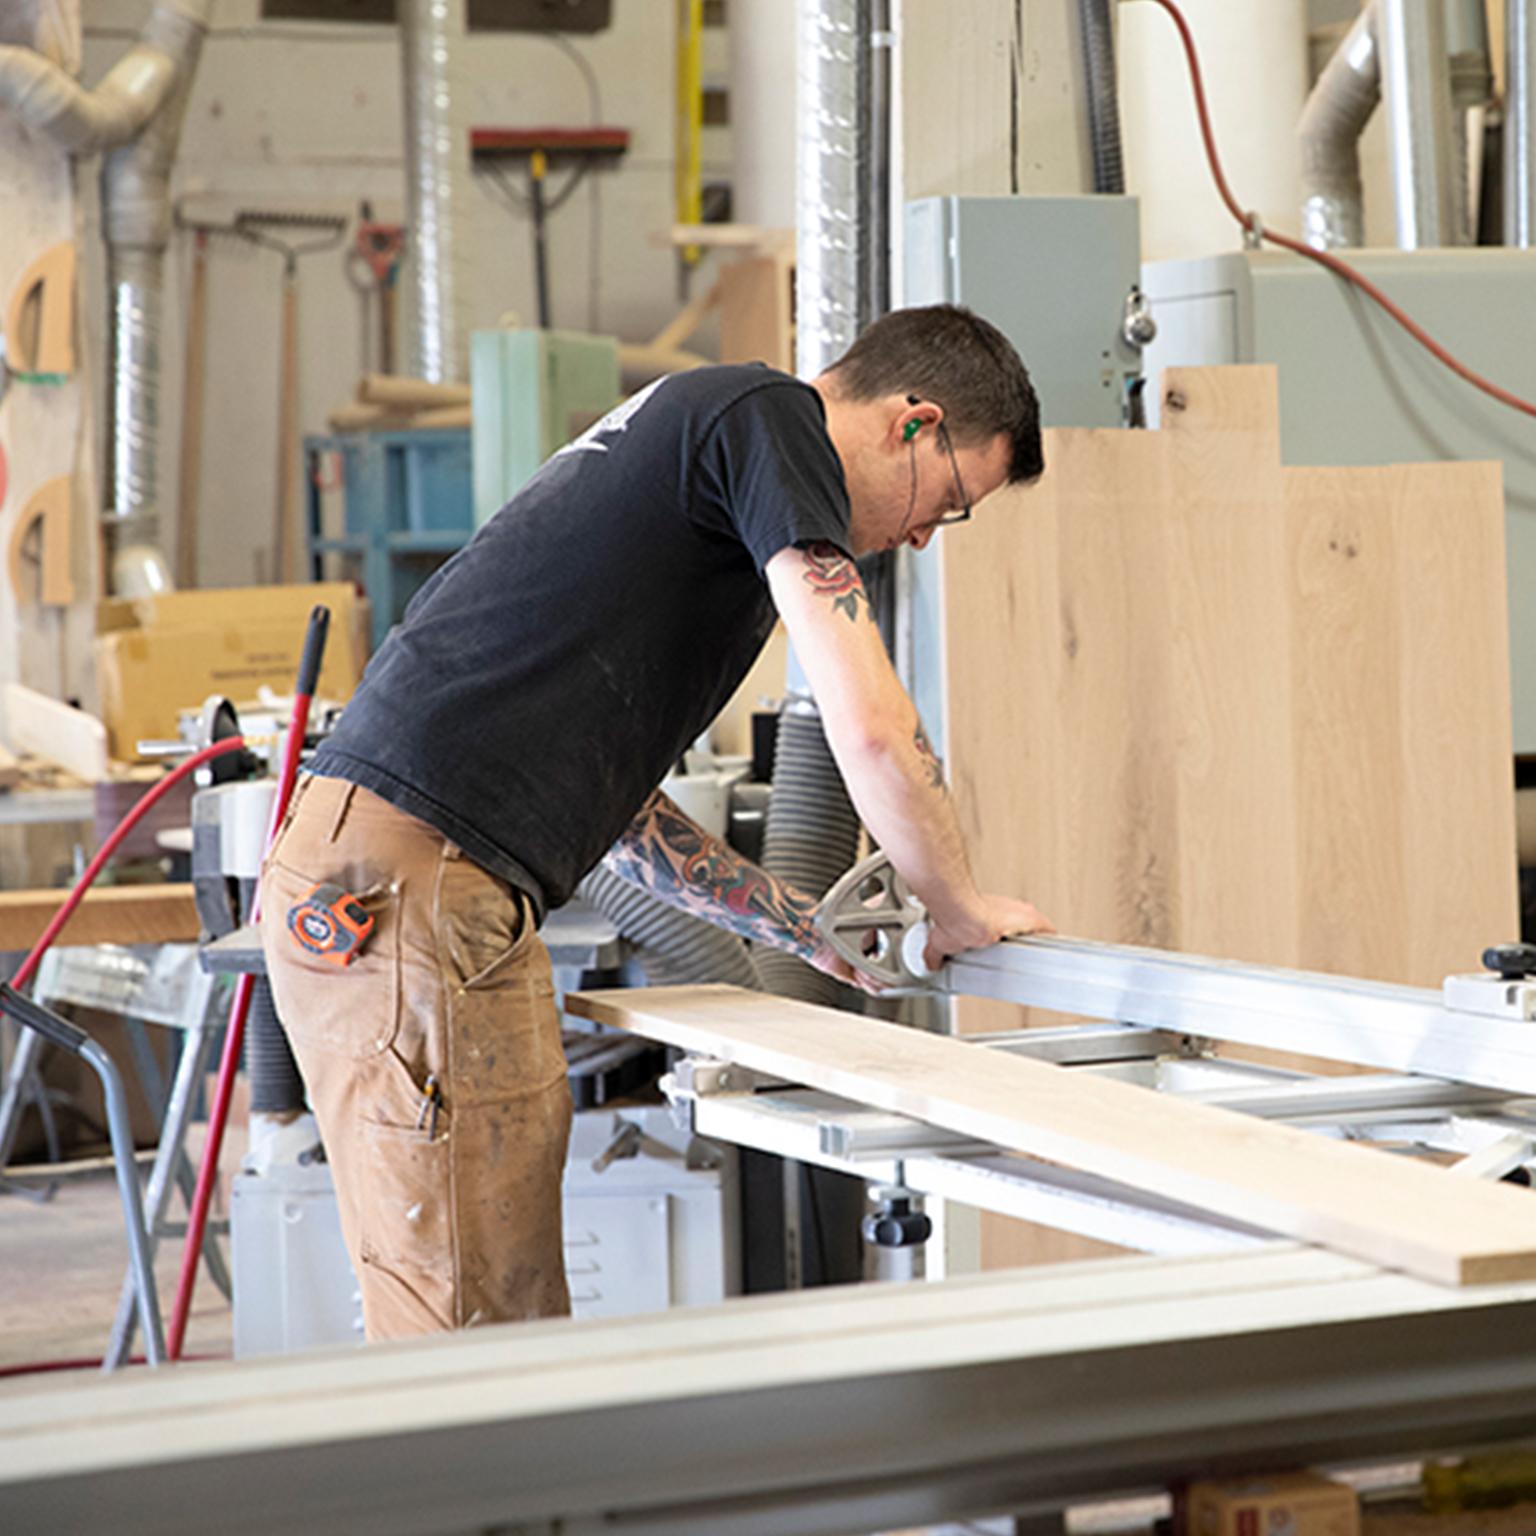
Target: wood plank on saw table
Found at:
x=113, y=914
x=1378, y=1207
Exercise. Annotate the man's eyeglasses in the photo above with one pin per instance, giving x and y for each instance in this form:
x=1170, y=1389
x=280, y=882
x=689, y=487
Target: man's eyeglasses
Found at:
x=964, y=500
x=963, y=515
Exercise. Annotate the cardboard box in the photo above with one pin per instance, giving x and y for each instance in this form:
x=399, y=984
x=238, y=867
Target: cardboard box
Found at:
x=1287, y=1504
x=157, y=656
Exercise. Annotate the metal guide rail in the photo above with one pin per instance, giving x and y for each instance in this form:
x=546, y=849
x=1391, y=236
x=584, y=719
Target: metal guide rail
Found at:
x=1491, y=1133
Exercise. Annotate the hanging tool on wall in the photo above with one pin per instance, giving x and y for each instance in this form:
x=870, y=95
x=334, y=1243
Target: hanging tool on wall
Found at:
x=542, y=147
x=291, y=235
x=688, y=157
x=373, y=264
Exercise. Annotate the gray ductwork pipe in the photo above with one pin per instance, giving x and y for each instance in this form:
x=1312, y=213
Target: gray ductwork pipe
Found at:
x=47, y=102
x=1335, y=115
x=436, y=185
x=829, y=178
x=136, y=218
x=135, y=114
x=1416, y=88
x=1519, y=125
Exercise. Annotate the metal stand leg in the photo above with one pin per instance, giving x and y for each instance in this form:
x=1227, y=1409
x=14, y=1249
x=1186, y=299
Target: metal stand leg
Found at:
x=171, y=1167
x=29, y=1050
x=60, y=1032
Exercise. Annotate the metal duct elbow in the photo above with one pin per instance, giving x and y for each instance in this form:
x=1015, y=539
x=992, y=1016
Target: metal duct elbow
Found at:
x=1096, y=20
x=136, y=179
x=48, y=103
x=1335, y=115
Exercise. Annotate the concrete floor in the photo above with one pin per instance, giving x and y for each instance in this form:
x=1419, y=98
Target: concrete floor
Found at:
x=62, y=1267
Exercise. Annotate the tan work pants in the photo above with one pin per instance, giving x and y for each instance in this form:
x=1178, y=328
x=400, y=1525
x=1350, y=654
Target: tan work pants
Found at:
x=450, y=1205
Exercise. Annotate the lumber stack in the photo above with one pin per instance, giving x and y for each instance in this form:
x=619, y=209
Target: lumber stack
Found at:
x=386, y=402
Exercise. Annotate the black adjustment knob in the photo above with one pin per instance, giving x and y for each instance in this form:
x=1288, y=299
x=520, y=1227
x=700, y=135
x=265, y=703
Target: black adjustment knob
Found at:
x=1513, y=962
x=897, y=1225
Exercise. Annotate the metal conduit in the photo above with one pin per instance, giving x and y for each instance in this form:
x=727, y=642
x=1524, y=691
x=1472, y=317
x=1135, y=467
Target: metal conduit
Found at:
x=1416, y=88
x=436, y=185
x=1519, y=125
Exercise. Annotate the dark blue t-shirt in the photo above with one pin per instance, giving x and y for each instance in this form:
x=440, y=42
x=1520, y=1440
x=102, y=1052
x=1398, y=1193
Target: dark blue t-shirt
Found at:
x=549, y=676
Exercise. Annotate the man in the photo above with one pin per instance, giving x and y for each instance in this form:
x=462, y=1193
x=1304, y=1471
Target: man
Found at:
x=512, y=730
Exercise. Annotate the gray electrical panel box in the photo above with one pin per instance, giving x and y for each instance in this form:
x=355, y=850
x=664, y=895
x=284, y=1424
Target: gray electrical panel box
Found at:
x=1053, y=275
x=1354, y=389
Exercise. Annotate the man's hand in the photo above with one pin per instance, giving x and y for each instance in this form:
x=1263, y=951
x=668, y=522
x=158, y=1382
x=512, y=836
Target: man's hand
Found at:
x=1000, y=917
x=827, y=960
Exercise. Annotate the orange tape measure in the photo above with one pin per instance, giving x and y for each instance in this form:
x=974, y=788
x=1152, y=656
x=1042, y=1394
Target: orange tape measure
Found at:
x=331, y=923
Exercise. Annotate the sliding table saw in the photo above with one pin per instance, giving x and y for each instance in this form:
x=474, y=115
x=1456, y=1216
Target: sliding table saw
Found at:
x=1219, y=1349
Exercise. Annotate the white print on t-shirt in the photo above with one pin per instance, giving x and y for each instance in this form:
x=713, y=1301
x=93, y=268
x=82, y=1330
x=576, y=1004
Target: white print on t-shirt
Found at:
x=616, y=421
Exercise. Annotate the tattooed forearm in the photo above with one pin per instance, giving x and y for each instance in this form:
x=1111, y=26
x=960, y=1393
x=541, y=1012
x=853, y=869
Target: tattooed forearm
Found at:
x=932, y=765
x=830, y=573
x=677, y=860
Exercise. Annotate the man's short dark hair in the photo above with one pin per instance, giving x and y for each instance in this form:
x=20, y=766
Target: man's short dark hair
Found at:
x=947, y=354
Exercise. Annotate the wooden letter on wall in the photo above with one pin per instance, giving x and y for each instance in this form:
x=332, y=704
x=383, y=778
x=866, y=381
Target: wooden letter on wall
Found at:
x=40, y=317
x=48, y=512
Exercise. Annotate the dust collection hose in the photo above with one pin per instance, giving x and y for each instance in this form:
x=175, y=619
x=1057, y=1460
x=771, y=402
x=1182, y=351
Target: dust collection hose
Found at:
x=810, y=839
x=1095, y=17
x=673, y=948
x=276, y=1087
x=229, y=1062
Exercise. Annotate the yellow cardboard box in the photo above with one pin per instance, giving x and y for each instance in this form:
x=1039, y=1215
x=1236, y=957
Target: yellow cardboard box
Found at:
x=157, y=656
x=1287, y=1504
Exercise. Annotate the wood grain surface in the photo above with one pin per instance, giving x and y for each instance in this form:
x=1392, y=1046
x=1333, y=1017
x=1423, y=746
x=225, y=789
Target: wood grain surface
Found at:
x=118, y=914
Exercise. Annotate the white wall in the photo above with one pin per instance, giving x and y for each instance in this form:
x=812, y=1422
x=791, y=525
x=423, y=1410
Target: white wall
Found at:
x=303, y=116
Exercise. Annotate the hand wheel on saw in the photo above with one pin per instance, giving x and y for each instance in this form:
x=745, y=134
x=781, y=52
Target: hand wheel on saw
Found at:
x=871, y=919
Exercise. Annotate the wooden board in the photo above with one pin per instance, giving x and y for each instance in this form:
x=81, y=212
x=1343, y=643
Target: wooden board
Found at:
x=114, y=914
x=54, y=730
x=1375, y=1206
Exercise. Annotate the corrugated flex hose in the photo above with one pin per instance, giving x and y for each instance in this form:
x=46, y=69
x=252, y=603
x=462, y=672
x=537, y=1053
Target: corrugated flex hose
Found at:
x=1096, y=21
x=672, y=947
x=811, y=837
x=276, y=1087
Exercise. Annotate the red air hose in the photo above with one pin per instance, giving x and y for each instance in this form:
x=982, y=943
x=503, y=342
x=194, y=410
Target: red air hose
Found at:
x=108, y=848
x=1251, y=222
x=234, y=1035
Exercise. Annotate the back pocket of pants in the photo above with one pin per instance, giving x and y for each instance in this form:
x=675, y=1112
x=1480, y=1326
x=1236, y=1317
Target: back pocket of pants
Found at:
x=352, y=1010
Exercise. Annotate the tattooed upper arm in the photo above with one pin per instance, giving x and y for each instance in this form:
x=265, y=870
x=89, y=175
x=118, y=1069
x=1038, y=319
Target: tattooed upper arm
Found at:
x=831, y=574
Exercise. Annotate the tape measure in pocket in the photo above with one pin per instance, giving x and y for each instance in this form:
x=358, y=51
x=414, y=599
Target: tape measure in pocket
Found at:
x=331, y=923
